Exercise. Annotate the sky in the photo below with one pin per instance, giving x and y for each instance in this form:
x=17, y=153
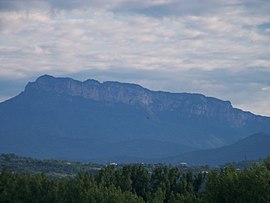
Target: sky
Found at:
x=220, y=48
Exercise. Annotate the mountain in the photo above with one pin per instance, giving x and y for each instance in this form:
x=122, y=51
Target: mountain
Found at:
x=86, y=121
x=253, y=147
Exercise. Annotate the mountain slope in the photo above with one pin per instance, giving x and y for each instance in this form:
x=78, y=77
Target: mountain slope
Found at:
x=253, y=147
x=65, y=118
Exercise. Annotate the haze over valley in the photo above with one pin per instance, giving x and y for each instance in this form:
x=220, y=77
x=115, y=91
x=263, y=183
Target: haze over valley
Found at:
x=63, y=118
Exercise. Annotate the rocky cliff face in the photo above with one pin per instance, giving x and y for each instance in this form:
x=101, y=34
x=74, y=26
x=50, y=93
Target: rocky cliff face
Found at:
x=93, y=90
x=68, y=119
x=191, y=104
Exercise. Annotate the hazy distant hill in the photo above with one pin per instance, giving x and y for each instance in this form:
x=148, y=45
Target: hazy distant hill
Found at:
x=65, y=118
x=251, y=148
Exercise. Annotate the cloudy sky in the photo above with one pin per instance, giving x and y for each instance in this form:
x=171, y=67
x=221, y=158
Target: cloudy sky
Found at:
x=220, y=48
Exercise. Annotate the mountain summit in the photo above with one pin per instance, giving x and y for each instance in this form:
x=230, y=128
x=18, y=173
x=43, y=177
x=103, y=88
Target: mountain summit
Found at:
x=132, y=94
x=93, y=121
x=93, y=90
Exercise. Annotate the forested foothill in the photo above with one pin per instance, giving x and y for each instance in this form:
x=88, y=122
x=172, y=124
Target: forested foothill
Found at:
x=134, y=183
x=52, y=168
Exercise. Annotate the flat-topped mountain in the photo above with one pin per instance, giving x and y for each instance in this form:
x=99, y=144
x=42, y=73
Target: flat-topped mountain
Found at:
x=66, y=118
x=132, y=94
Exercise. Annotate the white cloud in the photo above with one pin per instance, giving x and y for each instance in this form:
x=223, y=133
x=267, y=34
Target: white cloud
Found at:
x=62, y=38
x=266, y=88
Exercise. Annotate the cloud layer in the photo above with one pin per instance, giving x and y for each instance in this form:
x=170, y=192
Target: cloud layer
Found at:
x=219, y=48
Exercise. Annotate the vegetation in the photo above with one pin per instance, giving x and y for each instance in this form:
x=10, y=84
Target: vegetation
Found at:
x=52, y=168
x=137, y=183
x=63, y=168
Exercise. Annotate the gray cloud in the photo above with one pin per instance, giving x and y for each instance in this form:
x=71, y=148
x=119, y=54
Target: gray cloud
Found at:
x=169, y=8
x=219, y=48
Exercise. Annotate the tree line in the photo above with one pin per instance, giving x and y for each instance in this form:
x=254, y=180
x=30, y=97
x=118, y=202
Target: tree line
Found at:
x=52, y=168
x=136, y=183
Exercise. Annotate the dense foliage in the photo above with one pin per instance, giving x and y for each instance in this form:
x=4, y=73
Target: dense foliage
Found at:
x=135, y=183
x=63, y=168
x=52, y=168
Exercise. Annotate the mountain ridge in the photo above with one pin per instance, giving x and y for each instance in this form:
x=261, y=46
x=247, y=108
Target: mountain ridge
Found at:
x=253, y=147
x=134, y=94
x=66, y=118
